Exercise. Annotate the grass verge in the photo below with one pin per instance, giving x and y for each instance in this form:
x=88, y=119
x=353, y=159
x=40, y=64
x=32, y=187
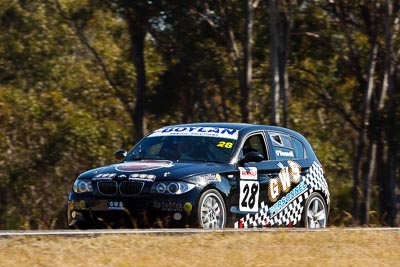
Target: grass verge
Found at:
x=336, y=247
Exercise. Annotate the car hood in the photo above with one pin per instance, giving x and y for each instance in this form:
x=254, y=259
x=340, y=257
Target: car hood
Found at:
x=154, y=170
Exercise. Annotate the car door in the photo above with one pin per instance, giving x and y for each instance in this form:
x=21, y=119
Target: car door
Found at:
x=288, y=164
x=254, y=177
x=263, y=184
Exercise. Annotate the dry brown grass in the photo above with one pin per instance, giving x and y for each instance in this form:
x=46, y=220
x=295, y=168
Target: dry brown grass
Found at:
x=335, y=247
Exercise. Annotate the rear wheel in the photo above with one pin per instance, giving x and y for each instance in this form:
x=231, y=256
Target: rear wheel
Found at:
x=316, y=212
x=212, y=210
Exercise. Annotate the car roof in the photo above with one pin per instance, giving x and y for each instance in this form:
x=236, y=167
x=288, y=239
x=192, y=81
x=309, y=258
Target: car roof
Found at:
x=237, y=126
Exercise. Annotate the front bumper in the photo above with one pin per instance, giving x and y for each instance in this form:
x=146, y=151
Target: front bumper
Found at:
x=88, y=211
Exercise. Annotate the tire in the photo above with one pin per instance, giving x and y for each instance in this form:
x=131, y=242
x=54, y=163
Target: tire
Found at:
x=211, y=210
x=315, y=212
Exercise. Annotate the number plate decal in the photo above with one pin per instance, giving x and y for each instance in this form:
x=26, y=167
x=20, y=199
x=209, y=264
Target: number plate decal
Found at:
x=249, y=193
x=115, y=205
x=249, y=189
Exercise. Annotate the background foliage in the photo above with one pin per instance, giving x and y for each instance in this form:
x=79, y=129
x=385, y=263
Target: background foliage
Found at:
x=69, y=89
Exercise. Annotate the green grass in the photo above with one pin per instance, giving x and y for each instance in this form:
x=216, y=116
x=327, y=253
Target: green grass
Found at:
x=335, y=247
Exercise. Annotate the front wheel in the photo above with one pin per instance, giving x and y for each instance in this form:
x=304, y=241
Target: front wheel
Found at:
x=211, y=210
x=316, y=212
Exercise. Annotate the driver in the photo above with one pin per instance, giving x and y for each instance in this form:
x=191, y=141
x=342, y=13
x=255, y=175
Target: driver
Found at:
x=178, y=149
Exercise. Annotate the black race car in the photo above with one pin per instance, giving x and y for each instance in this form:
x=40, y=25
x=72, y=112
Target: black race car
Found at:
x=207, y=175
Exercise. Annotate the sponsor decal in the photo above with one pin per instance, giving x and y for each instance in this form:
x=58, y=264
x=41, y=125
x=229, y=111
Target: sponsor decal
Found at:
x=249, y=189
x=280, y=153
x=248, y=173
x=142, y=177
x=274, y=189
x=287, y=176
x=146, y=165
x=299, y=189
x=104, y=176
x=168, y=205
x=197, y=131
x=115, y=205
x=101, y=179
x=289, y=209
x=206, y=178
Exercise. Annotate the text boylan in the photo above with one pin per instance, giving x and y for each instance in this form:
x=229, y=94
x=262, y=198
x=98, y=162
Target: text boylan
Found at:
x=197, y=131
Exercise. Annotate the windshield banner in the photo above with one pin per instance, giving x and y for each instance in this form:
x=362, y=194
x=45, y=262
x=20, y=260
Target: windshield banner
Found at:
x=196, y=131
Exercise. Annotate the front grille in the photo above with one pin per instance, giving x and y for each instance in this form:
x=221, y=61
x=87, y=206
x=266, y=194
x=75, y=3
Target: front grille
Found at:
x=128, y=188
x=108, y=188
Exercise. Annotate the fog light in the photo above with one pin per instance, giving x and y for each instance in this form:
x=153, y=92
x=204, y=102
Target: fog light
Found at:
x=177, y=216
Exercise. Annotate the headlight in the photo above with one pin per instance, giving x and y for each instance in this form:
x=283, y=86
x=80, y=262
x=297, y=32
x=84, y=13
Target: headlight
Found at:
x=82, y=186
x=172, y=188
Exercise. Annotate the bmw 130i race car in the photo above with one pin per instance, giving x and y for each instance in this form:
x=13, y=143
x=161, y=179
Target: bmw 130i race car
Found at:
x=207, y=175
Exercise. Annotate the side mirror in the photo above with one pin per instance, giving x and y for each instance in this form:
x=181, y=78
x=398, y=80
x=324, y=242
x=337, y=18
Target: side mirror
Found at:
x=120, y=154
x=251, y=156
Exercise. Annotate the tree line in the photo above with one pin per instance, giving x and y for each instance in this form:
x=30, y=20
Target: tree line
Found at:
x=81, y=79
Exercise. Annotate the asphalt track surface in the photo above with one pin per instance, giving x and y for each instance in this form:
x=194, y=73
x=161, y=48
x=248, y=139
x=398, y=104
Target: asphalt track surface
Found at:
x=14, y=233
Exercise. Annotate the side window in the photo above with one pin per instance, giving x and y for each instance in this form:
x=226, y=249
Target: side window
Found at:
x=299, y=150
x=282, y=146
x=286, y=147
x=286, y=141
x=255, y=143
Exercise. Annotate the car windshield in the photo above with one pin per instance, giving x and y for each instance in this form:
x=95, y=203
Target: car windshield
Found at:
x=194, y=147
x=183, y=148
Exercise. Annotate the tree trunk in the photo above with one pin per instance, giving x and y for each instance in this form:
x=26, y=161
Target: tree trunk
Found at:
x=247, y=63
x=243, y=63
x=367, y=178
x=274, y=58
x=284, y=50
x=137, y=35
x=363, y=140
x=387, y=182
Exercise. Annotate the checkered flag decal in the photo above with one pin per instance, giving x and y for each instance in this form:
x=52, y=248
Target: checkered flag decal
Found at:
x=256, y=220
x=315, y=180
x=291, y=213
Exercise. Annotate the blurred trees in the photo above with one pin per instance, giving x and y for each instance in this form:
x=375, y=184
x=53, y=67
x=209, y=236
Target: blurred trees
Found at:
x=80, y=79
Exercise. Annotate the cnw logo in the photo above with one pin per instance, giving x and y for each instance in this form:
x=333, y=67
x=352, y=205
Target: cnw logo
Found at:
x=287, y=176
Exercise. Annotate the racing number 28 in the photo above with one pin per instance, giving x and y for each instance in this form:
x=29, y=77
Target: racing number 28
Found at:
x=249, y=195
x=249, y=192
x=225, y=144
